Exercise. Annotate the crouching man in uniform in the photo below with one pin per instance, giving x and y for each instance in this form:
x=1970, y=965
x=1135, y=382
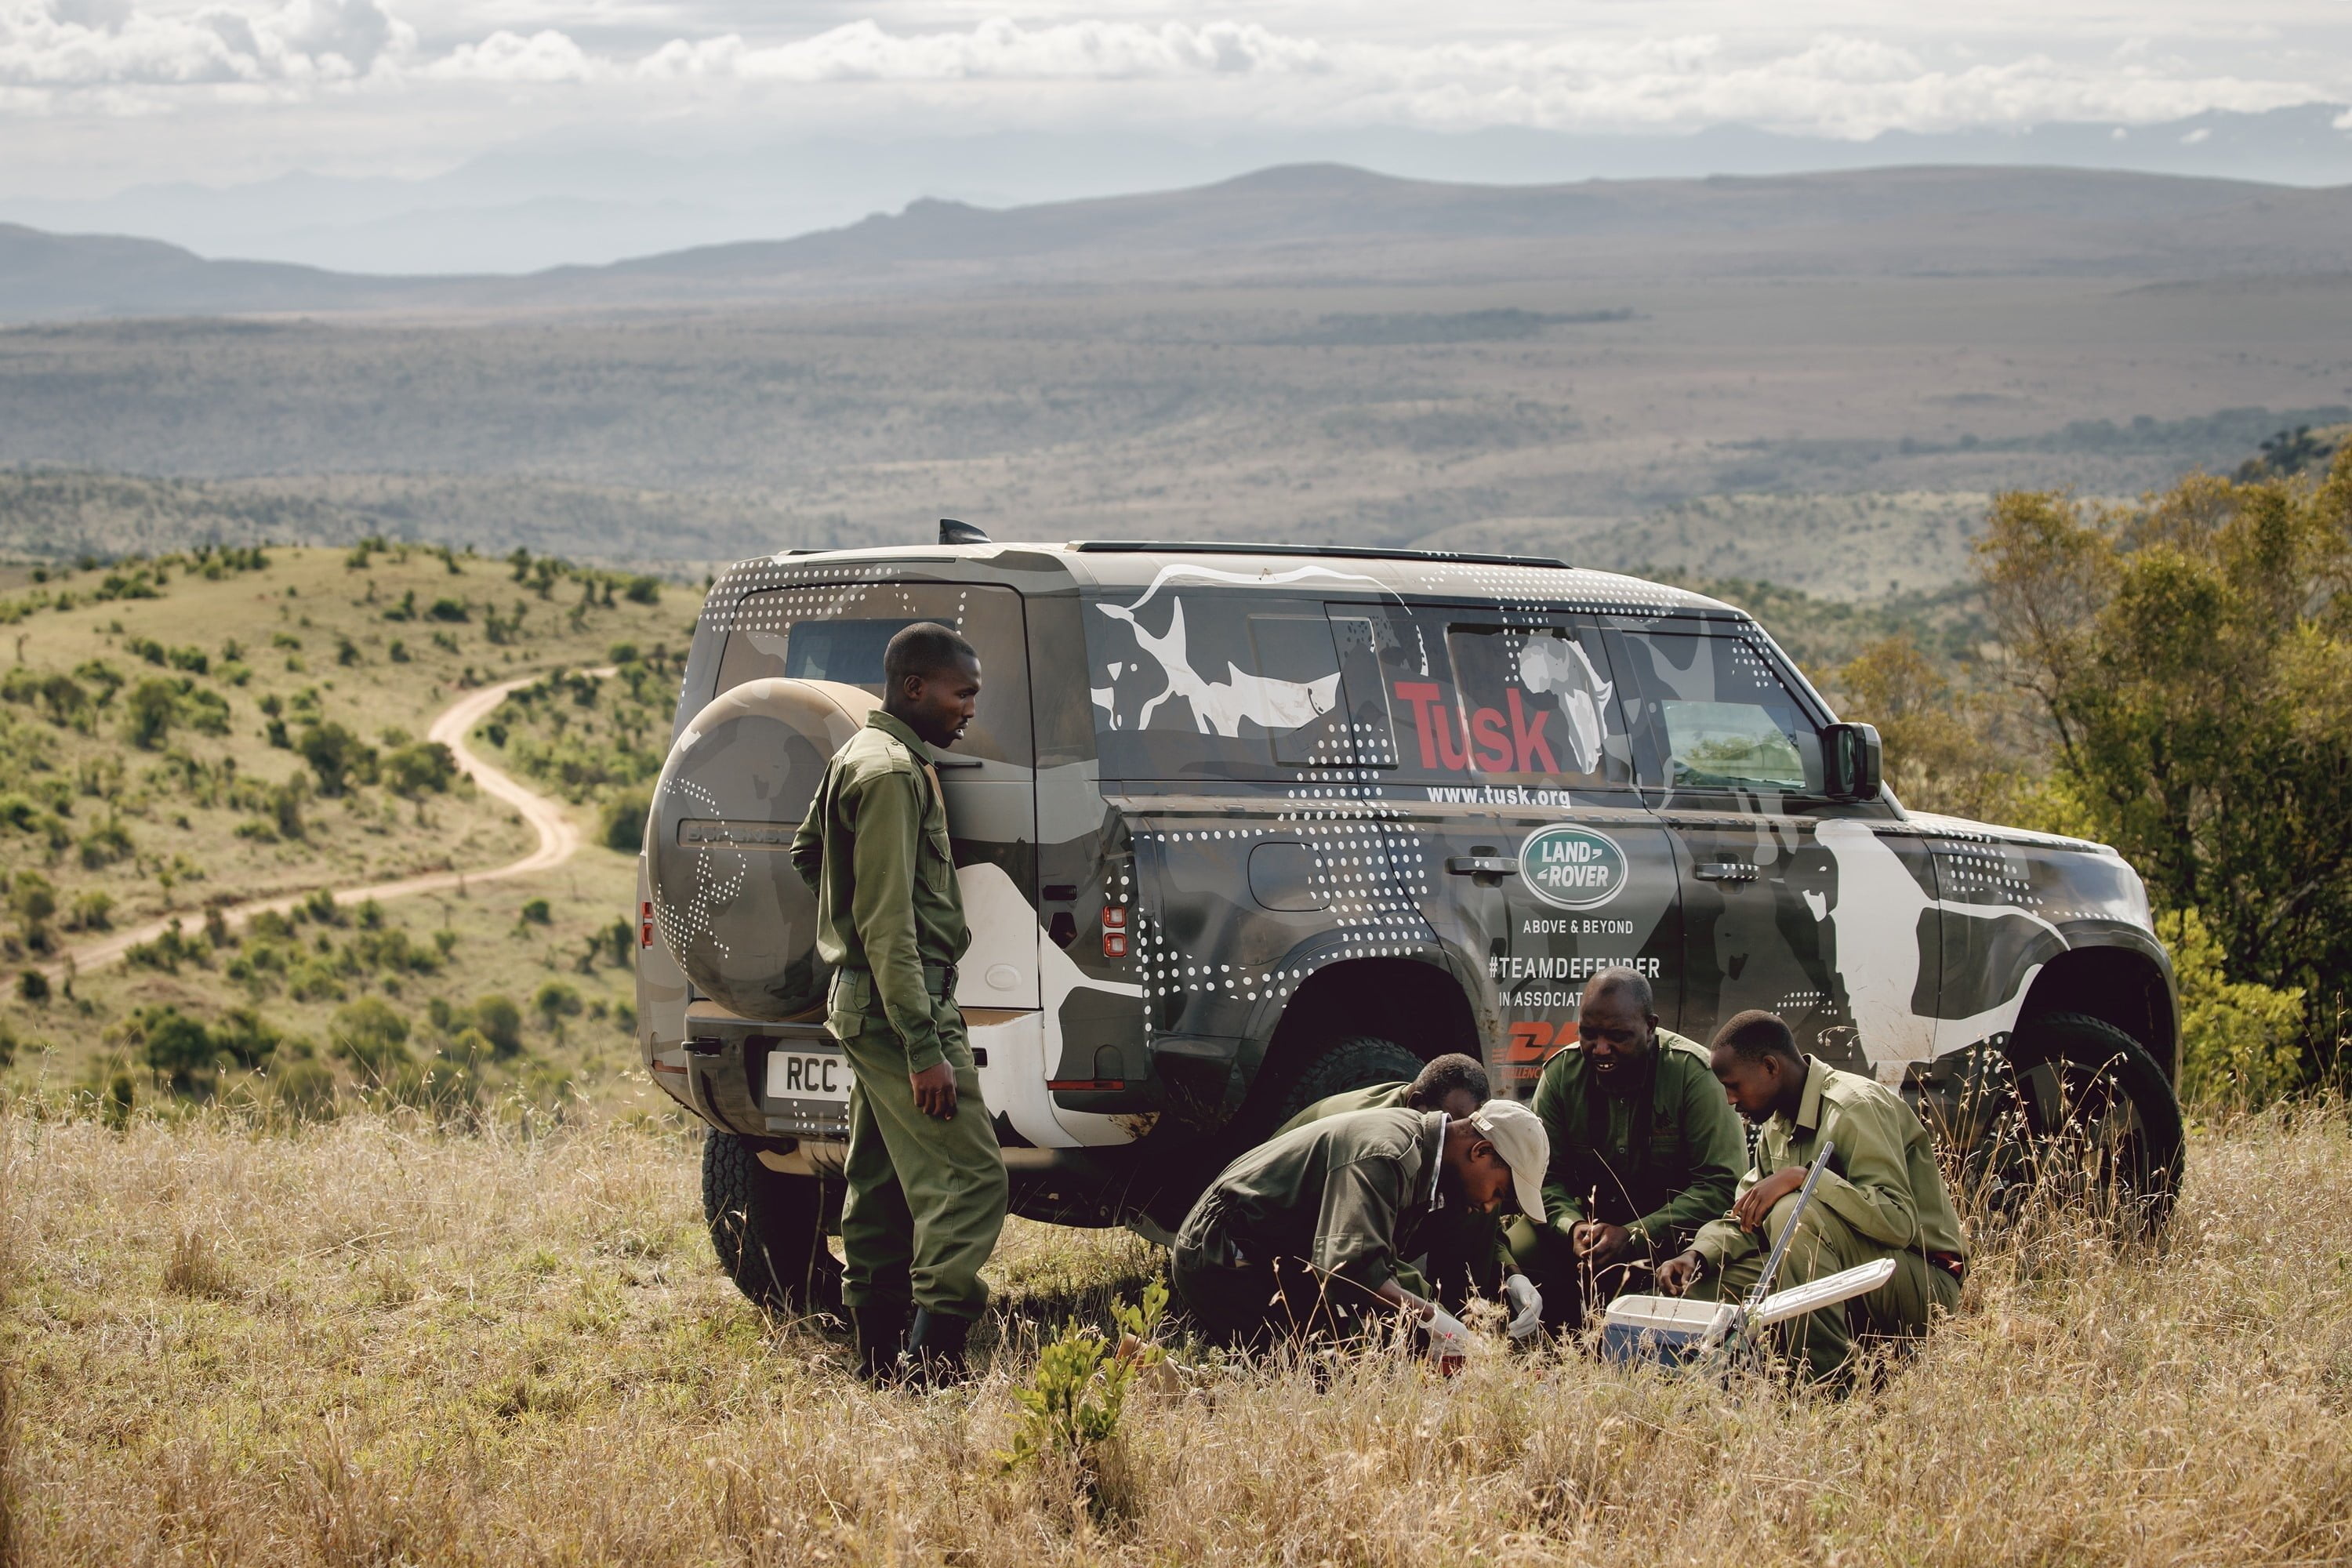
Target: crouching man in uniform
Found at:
x=926, y=1185
x=1643, y=1151
x=1301, y=1237
x=1464, y=1256
x=1882, y=1196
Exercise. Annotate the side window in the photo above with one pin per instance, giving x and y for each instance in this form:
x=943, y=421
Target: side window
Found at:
x=1211, y=685
x=838, y=633
x=1483, y=703
x=1537, y=706
x=1714, y=718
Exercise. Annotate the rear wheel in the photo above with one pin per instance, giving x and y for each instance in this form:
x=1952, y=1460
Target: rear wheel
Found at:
x=769, y=1229
x=2075, y=1114
x=1347, y=1064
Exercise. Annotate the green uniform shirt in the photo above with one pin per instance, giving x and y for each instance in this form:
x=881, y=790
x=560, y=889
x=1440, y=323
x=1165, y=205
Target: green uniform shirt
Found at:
x=1662, y=1156
x=873, y=846
x=1347, y=1193
x=1883, y=1180
x=1371, y=1096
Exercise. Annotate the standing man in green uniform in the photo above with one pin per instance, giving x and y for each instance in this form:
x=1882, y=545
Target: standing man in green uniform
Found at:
x=927, y=1187
x=1302, y=1236
x=1644, y=1149
x=1882, y=1196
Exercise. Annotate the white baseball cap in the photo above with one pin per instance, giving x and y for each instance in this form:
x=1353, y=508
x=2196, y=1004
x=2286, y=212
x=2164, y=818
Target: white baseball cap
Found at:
x=1518, y=1136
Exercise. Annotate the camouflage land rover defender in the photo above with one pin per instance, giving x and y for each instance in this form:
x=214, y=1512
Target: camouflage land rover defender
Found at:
x=1240, y=826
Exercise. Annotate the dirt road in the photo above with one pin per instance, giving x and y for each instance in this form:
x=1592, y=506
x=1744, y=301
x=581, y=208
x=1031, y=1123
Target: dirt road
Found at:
x=558, y=837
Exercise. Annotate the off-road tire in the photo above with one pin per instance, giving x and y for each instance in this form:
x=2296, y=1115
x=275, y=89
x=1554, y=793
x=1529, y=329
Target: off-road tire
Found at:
x=2074, y=1113
x=767, y=1230
x=1342, y=1066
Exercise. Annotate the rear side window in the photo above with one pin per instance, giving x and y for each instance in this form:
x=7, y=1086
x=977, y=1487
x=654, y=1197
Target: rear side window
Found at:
x=1714, y=718
x=838, y=633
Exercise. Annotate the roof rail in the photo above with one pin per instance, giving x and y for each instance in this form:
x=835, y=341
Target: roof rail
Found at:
x=1359, y=551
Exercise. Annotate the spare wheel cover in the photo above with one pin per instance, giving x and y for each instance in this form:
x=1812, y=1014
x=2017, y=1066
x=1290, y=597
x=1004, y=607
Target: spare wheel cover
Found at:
x=732, y=910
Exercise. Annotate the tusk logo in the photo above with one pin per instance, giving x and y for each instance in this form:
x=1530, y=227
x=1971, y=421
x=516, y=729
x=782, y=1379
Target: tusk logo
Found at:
x=1573, y=867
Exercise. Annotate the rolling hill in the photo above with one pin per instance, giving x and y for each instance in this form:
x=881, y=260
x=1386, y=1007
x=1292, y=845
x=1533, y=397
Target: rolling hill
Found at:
x=1320, y=222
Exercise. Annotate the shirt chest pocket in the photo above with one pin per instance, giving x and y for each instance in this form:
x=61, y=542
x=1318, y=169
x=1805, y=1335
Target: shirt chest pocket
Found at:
x=936, y=860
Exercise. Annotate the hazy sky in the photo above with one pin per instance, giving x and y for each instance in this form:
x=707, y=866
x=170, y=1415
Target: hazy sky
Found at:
x=96, y=94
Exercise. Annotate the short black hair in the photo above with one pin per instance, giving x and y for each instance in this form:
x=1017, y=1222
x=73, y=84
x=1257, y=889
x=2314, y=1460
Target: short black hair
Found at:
x=924, y=648
x=1754, y=1035
x=1619, y=977
x=1443, y=1076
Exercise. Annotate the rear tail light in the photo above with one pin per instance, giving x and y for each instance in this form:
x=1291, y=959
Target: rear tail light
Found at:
x=1113, y=931
x=646, y=923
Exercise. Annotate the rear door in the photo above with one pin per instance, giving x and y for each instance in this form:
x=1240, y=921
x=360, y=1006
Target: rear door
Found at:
x=837, y=633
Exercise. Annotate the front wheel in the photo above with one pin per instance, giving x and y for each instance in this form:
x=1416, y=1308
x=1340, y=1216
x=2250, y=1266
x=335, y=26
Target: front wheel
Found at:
x=769, y=1229
x=2074, y=1113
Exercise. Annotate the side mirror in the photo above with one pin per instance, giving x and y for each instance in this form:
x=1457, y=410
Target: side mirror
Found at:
x=1851, y=762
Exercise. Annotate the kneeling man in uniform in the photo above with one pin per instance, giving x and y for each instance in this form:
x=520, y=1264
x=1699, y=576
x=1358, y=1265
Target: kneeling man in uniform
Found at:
x=1302, y=1235
x=1882, y=1196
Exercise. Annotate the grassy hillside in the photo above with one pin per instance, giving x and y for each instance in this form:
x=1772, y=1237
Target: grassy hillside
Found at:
x=366, y=1343
x=211, y=727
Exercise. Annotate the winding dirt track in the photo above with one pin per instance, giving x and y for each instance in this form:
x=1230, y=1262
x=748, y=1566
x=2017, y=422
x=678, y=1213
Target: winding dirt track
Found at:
x=558, y=837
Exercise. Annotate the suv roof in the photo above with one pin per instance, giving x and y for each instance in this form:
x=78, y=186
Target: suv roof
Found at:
x=1140, y=564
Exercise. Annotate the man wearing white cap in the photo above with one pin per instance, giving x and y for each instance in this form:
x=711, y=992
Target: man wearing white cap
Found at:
x=1302, y=1235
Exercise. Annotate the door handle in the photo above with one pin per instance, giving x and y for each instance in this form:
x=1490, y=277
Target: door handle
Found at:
x=1725, y=872
x=1482, y=865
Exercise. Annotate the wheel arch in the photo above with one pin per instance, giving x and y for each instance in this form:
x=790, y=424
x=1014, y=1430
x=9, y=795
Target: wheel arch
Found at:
x=1413, y=998
x=2120, y=975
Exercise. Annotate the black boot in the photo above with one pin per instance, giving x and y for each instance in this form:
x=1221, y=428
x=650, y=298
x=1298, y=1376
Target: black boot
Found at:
x=881, y=1329
x=935, y=1349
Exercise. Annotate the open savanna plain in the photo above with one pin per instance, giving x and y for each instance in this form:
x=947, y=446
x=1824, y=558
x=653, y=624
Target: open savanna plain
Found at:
x=367, y=1342
x=184, y=737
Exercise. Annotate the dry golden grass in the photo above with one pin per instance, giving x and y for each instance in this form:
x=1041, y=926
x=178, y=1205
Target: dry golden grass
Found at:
x=369, y=1344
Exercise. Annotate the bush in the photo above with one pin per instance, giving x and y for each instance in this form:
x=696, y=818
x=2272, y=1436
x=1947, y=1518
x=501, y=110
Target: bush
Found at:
x=450, y=610
x=555, y=1001
x=624, y=825
x=537, y=912
x=176, y=1046
x=148, y=713
x=336, y=756
x=411, y=770
x=2240, y=1043
x=305, y=1089
x=644, y=590
x=371, y=1036
x=500, y=1022
x=33, y=987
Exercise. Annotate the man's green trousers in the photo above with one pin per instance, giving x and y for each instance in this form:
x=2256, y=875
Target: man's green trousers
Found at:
x=926, y=1197
x=1824, y=1244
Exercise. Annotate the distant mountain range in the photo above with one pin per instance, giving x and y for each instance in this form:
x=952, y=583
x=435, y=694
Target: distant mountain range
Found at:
x=1320, y=224
x=529, y=206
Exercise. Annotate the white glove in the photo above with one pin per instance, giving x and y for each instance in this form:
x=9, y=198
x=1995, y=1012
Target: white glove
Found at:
x=1526, y=1305
x=1449, y=1337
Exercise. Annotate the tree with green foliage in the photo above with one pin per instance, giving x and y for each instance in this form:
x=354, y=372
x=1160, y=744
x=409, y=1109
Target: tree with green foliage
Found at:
x=2192, y=661
x=500, y=1022
x=336, y=756
x=148, y=712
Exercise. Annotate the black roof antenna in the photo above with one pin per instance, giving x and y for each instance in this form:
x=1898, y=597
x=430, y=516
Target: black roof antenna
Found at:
x=955, y=533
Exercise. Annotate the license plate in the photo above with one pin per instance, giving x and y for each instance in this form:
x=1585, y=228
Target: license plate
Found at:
x=808, y=1075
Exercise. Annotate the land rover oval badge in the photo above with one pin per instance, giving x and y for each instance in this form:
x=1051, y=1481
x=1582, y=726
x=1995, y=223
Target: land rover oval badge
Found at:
x=1573, y=867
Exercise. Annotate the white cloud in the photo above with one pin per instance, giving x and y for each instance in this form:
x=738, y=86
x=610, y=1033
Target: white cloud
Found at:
x=78, y=46
x=258, y=72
